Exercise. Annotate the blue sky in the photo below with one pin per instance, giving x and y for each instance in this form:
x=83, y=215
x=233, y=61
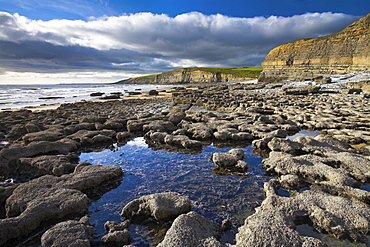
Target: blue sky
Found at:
x=63, y=41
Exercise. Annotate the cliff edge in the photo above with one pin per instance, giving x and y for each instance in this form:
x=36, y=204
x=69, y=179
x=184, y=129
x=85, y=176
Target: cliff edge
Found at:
x=198, y=75
x=342, y=52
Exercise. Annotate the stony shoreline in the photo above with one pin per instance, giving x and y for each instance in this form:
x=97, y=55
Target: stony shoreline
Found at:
x=40, y=151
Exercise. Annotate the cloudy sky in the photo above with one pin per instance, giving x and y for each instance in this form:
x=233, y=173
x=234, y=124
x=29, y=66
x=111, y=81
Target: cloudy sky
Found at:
x=78, y=41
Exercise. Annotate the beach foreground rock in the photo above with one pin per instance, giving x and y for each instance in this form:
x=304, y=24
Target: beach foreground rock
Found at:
x=192, y=229
x=68, y=233
x=325, y=171
x=160, y=206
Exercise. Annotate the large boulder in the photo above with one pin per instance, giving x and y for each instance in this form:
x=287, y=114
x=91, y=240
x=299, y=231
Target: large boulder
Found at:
x=192, y=229
x=160, y=206
x=68, y=233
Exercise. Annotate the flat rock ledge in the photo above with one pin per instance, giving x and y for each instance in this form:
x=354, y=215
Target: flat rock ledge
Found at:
x=329, y=172
x=50, y=198
x=40, y=154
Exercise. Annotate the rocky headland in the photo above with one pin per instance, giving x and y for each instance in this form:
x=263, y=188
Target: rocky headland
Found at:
x=342, y=52
x=198, y=75
x=45, y=188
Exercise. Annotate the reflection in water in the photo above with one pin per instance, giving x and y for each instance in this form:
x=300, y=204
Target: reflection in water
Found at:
x=215, y=194
x=150, y=171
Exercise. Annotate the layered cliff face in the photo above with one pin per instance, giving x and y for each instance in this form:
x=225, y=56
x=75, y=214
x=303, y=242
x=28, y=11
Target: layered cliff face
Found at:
x=193, y=75
x=342, y=52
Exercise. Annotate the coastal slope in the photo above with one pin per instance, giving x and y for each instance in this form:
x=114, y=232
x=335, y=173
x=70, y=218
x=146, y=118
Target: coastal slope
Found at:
x=198, y=75
x=342, y=52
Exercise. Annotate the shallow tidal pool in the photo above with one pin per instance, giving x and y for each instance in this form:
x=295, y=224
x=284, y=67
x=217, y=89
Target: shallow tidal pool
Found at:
x=215, y=194
x=148, y=171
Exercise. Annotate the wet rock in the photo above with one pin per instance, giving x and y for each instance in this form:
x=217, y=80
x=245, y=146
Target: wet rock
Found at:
x=112, y=226
x=56, y=204
x=157, y=137
x=242, y=165
x=136, y=125
x=117, y=235
x=153, y=92
x=112, y=125
x=192, y=229
x=46, y=135
x=51, y=164
x=226, y=225
x=351, y=91
x=86, y=177
x=77, y=127
x=301, y=90
x=31, y=127
x=97, y=94
x=123, y=136
x=88, y=138
x=39, y=148
x=160, y=206
x=176, y=116
x=116, y=238
x=179, y=140
x=160, y=126
x=68, y=233
x=228, y=159
x=50, y=198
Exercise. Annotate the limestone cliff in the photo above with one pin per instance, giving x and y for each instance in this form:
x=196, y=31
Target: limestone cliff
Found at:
x=342, y=52
x=198, y=75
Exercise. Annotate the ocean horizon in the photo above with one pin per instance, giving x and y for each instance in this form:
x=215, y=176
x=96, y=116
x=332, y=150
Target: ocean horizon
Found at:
x=34, y=95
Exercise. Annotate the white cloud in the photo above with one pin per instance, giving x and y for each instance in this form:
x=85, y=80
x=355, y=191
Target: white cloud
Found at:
x=192, y=39
x=147, y=32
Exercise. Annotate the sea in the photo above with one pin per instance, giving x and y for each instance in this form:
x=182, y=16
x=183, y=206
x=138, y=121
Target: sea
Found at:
x=14, y=97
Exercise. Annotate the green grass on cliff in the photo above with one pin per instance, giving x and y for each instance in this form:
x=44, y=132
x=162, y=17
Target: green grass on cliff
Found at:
x=243, y=72
x=250, y=72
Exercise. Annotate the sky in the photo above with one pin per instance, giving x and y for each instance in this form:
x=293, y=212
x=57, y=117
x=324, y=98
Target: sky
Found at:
x=93, y=41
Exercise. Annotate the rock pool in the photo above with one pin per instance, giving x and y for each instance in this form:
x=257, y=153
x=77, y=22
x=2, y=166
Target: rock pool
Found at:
x=147, y=171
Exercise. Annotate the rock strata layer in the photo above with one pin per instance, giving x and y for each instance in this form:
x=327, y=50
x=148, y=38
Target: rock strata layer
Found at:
x=186, y=76
x=342, y=52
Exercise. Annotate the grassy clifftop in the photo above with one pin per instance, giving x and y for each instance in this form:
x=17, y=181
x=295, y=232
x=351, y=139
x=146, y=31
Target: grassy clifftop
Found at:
x=198, y=75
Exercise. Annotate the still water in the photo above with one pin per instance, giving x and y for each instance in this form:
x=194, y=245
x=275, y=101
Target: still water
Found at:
x=214, y=194
x=148, y=171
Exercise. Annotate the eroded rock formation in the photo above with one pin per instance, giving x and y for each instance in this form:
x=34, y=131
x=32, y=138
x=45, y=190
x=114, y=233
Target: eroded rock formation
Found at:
x=185, y=76
x=342, y=52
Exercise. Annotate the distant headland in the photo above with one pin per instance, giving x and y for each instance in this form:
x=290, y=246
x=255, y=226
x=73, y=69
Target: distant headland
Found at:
x=198, y=75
